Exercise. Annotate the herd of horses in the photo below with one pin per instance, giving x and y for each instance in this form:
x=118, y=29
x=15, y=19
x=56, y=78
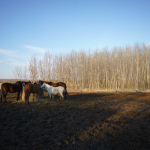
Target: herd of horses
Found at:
x=28, y=87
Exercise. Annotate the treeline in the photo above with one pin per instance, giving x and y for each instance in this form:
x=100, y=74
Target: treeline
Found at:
x=121, y=68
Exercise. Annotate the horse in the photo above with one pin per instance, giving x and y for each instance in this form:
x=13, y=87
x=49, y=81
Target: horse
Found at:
x=12, y=88
x=54, y=90
x=30, y=88
x=55, y=85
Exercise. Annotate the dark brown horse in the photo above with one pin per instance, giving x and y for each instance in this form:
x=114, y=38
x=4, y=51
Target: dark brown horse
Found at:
x=28, y=89
x=55, y=85
x=12, y=88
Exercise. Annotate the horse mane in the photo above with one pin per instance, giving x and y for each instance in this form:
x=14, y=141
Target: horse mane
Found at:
x=19, y=82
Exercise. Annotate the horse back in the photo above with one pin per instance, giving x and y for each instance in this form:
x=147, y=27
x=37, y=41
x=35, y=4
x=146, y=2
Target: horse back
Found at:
x=60, y=88
x=62, y=84
x=32, y=88
x=9, y=87
x=54, y=90
x=53, y=84
x=28, y=87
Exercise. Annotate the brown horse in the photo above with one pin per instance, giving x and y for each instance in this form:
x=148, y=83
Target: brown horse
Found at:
x=55, y=85
x=12, y=88
x=28, y=89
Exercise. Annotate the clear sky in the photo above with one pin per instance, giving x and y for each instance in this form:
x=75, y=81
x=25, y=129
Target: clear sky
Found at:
x=59, y=26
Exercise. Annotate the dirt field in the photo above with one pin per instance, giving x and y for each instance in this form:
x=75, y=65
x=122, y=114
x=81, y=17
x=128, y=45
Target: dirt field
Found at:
x=104, y=121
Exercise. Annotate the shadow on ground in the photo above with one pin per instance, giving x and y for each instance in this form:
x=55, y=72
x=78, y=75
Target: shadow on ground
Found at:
x=83, y=121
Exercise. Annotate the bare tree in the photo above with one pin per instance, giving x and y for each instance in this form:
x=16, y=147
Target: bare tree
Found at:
x=33, y=71
x=18, y=72
x=25, y=73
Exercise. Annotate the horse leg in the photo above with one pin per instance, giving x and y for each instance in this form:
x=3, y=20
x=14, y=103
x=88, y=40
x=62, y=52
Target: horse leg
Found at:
x=57, y=96
x=36, y=96
x=50, y=96
x=1, y=93
x=27, y=100
x=4, y=95
x=33, y=96
x=1, y=97
x=53, y=96
x=18, y=96
x=21, y=94
x=61, y=95
x=27, y=97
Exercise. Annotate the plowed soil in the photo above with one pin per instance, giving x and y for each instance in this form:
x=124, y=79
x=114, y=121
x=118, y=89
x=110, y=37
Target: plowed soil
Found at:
x=104, y=121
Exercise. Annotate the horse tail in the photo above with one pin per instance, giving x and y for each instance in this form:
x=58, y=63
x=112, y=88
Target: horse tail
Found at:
x=65, y=93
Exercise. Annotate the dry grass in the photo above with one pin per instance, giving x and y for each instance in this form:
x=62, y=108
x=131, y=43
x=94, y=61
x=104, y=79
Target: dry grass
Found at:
x=83, y=121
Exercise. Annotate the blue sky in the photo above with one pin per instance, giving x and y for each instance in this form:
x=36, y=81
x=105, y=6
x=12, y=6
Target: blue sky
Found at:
x=59, y=26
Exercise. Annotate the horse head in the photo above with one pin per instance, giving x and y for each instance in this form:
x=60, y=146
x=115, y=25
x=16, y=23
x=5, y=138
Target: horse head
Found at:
x=38, y=83
x=19, y=82
x=44, y=87
x=23, y=83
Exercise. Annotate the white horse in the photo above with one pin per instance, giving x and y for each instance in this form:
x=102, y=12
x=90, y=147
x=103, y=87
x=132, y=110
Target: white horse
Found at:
x=53, y=90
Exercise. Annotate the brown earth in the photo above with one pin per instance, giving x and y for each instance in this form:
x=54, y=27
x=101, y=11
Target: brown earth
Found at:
x=105, y=121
